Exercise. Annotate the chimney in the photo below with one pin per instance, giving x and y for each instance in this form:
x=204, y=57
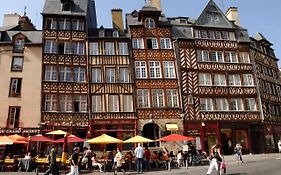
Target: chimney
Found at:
x=11, y=19
x=156, y=3
x=117, y=19
x=232, y=15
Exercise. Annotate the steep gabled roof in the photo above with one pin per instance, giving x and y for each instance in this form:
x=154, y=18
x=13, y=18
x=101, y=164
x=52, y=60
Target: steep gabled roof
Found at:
x=213, y=11
x=55, y=7
x=260, y=37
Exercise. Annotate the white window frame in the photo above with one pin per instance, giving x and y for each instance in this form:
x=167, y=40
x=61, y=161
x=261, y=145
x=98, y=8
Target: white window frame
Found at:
x=51, y=73
x=203, y=55
x=19, y=44
x=248, y=80
x=51, y=46
x=244, y=57
x=113, y=103
x=82, y=100
x=169, y=69
x=128, y=103
x=110, y=75
x=172, y=98
x=67, y=47
x=51, y=103
x=123, y=48
x=97, y=103
x=234, y=80
x=65, y=102
x=64, y=24
x=237, y=104
x=143, y=98
x=155, y=69
x=230, y=57
x=124, y=75
x=216, y=56
x=109, y=48
x=78, y=25
x=94, y=48
x=79, y=74
x=137, y=43
x=65, y=73
x=157, y=96
x=206, y=104
x=96, y=75
x=154, y=43
x=78, y=48
x=205, y=79
x=165, y=43
x=219, y=80
x=250, y=104
x=149, y=23
x=140, y=69
x=221, y=104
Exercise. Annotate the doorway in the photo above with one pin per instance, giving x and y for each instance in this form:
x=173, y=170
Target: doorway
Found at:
x=151, y=131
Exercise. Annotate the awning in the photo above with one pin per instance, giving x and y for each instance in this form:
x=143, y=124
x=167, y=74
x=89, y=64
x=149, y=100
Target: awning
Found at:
x=172, y=127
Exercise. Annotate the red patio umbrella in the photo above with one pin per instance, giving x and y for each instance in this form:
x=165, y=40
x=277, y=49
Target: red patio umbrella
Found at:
x=40, y=138
x=70, y=139
x=176, y=137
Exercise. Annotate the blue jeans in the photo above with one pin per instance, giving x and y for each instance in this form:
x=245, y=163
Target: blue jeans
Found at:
x=139, y=164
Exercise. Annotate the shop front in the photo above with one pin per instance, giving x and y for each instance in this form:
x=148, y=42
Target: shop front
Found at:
x=269, y=145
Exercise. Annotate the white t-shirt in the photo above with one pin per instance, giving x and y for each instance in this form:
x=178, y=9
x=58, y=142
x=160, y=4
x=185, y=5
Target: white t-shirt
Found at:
x=139, y=151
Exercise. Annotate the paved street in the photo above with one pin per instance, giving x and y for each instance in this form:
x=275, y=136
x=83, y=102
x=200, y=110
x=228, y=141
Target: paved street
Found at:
x=262, y=164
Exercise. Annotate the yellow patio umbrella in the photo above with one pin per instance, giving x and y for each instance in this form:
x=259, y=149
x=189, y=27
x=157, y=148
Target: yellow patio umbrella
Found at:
x=104, y=139
x=138, y=139
x=4, y=140
x=57, y=132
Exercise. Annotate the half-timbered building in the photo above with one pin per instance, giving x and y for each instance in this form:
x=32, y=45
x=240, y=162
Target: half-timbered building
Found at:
x=155, y=72
x=269, y=87
x=111, y=82
x=218, y=86
x=65, y=77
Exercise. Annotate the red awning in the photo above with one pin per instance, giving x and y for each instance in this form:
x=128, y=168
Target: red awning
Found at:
x=40, y=138
x=176, y=137
x=70, y=139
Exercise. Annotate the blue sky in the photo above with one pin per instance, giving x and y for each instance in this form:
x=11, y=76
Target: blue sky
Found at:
x=255, y=15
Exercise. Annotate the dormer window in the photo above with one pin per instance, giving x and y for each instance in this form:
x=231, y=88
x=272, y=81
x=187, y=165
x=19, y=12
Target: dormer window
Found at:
x=115, y=33
x=213, y=17
x=101, y=33
x=66, y=7
x=19, y=45
x=149, y=23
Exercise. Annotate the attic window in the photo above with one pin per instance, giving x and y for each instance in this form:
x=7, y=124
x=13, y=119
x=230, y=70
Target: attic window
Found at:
x=19, y=45
x=115, y=33
x=101, y=33
x=66, y=7
x=213, y=17
x=183, y=21
x=149, y=23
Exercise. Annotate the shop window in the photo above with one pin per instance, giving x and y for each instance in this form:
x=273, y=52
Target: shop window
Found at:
x=128, y=127
x=96, y=127
x=111, y=127
x=242, y=138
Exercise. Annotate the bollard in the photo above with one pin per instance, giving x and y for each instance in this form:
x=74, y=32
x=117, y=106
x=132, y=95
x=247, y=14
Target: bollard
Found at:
x=37, y=170
x=169, y=166
x=186, y=164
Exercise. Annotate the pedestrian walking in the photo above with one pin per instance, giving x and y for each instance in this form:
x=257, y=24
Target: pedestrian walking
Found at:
x=215, y=159
x=53, y=168
x=118, y=161
x=279, y=146
x=147, y=159
x=139, y=153
x=238, y=152
x=74, y=169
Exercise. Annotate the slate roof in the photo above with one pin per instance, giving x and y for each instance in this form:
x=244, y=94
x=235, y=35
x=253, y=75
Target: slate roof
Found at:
x=260, y=37
x=34, y=37
x=55, y=7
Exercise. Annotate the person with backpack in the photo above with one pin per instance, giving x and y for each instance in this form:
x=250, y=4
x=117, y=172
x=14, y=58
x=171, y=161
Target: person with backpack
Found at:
x=74, y=169
x=53, y=168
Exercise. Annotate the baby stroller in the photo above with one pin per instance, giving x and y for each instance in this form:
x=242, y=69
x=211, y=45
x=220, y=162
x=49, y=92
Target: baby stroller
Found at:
x=222, y=168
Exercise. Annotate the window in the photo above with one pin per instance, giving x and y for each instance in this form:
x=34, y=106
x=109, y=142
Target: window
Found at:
x=248, y=80
x=151, y=43
x=65, y=103
x=211, y=34
x=205, y=79
x=216, y=56
x=225, y=35
x=203, y=34
x=137, y=43
x=213, y=17
x=50, y=73
x=19, y=45
x=123, y=48
x=157, y=98
x=79, y=74
x=235, y=104
x=51, y=103
x=115, y=33
x=64, y=24
x=51, y=24
x=169, y=69
x=65, y=73
x=203, y=55
x=219, y=80
x=206, y=104
x=172, y=98
x=250, y=104
x=78, y=25
x=96, y=103
x=234, y=80
x=165, y=43
x=244, y=57
x=15, y=87
x=231, y=36
x=113, y=103
x=78, y=48
x=51, y=46
x=80, y=103
x=94, y=48
x=110, y=75
x=64, y=47
x=155, y=69
x=230, y=57
x=124, y=75
x=109, y=48
x=217, y=35
x=143, y=98
x=17, y=63
x=149, y=23
x=221, y=104
x=14, y=117
x=101, y=33
x=127, y=103
x=140, y=68
x=96, y=75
